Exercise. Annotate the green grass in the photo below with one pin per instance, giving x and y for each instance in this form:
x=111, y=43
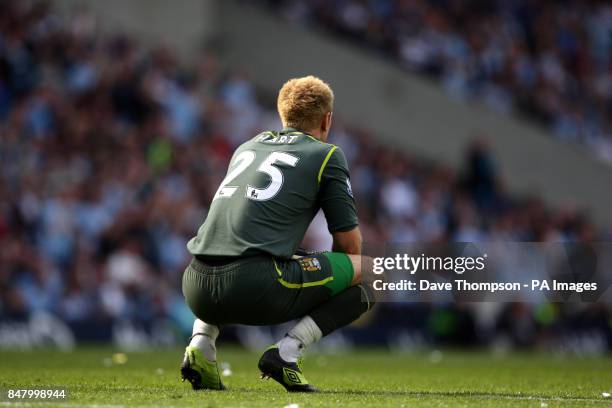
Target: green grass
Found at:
x=360, y=378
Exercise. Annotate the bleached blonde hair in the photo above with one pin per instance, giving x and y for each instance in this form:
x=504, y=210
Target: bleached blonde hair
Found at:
x=303, y=102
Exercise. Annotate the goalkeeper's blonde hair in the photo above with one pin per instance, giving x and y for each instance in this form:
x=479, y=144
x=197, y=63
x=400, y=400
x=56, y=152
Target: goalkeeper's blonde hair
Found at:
x=303, y=102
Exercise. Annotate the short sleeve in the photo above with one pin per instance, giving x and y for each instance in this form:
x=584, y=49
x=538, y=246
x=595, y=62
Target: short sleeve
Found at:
x=335, y=193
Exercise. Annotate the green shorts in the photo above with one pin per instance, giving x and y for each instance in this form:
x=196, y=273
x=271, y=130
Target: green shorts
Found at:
x=263, y=290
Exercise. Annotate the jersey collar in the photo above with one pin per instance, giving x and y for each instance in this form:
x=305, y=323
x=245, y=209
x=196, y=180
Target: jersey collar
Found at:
x=291, y=130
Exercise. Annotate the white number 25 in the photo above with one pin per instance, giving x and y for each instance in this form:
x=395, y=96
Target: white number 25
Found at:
x=243, y=161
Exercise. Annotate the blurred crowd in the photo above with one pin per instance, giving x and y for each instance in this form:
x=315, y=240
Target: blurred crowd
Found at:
x=548, y=60
x=110, y=153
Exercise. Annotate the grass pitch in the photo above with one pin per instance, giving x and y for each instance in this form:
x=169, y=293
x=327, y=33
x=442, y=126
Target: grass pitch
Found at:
x=359, y=378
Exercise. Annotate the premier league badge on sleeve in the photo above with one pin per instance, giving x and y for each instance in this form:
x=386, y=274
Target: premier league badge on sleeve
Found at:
x=349, y=188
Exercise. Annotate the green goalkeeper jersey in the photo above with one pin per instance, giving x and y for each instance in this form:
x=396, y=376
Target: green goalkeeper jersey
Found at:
x=275, y=184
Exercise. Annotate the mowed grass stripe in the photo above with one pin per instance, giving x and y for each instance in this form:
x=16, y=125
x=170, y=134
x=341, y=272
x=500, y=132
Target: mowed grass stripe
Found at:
x=360, y=378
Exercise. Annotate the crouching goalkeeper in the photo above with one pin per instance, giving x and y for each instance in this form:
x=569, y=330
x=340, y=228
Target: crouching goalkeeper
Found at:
x=244, y=270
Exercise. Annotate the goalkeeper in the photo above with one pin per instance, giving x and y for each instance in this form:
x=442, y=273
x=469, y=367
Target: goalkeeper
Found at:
x=244, y=269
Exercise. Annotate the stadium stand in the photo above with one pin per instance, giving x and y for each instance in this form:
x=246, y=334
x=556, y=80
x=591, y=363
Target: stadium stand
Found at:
x=111, y=151
x=544, y=60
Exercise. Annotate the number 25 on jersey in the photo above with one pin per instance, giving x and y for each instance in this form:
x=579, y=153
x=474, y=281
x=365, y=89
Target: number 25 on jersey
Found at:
x=243, y=161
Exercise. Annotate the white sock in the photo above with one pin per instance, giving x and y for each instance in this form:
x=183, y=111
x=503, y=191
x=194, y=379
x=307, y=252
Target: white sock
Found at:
x=302, y=335
x=204, y=337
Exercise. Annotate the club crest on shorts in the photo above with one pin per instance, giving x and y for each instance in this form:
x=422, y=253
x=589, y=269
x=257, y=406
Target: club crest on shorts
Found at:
x=310, y=264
